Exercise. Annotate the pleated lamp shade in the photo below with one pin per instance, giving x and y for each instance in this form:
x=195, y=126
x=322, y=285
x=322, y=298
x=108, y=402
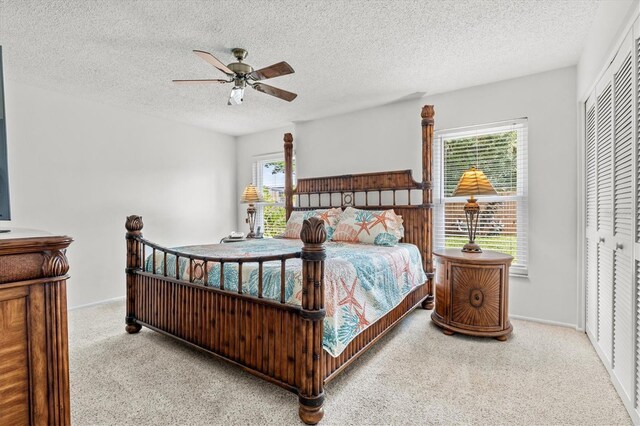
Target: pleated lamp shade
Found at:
x=473, y=182
x=250, y=195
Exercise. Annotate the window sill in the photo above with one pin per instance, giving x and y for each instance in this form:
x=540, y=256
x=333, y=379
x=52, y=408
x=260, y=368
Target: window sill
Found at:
x=519, y=272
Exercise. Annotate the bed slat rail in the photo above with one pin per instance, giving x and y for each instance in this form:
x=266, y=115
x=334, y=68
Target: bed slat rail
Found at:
x=199, y=267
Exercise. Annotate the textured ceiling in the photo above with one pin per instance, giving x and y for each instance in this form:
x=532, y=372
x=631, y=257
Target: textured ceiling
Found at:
x=347, y=55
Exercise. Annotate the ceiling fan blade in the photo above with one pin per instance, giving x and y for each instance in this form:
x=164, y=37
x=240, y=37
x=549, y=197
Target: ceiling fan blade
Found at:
x=213, y=61
x=217, y=81
x=275, y=70
x=274, y=91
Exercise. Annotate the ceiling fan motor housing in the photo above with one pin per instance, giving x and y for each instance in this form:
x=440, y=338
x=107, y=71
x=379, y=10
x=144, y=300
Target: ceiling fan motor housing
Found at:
x=240, y=68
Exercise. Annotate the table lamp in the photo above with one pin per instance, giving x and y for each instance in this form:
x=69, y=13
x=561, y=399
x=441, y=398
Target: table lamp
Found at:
x=250, y=196
x=473, y=182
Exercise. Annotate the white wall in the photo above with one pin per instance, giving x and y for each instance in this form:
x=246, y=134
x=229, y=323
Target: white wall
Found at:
x=249, y=148
x=609, y=25
x=388, y=138
x=372, y=140
x=78, y=167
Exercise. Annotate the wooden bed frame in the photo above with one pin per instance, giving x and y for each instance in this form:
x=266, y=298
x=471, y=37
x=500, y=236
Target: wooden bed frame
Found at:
x=280, y=342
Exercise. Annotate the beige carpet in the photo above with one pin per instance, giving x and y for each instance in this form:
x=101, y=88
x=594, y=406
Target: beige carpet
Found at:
x=415, y=375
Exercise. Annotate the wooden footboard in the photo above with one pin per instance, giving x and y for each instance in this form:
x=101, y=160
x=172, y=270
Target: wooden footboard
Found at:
x=279, y=342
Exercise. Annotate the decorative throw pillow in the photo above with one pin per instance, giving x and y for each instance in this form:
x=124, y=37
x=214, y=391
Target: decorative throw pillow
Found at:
x=379, y=227
x=294, y=224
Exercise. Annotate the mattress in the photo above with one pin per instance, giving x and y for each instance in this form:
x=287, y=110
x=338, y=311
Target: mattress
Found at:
x=362, y=282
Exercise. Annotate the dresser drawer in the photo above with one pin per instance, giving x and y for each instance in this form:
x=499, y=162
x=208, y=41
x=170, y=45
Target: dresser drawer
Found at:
x=20, y=267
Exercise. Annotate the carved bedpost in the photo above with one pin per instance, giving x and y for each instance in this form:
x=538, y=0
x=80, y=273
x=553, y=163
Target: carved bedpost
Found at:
x=134, y=262
x=427, y=197
x=311, y=392
x=288, y=173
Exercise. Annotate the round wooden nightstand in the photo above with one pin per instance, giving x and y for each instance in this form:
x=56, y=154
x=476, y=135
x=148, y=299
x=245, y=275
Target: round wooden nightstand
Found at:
x=472, y=293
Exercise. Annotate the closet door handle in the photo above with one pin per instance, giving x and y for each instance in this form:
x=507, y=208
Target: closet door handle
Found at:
x=619, y=246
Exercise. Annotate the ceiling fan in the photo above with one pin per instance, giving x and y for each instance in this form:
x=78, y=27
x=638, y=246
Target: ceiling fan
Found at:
x=243, y=75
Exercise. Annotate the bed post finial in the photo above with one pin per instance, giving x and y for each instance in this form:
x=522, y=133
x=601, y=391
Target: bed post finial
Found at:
x=427, y=115
x=288, y=174
x=134, y=262
x=134, y=224
x=311, y=391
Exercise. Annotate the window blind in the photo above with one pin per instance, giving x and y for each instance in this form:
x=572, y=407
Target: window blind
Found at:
x=500, y=151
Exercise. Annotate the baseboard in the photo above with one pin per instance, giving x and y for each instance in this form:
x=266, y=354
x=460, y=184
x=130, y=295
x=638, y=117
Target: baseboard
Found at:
x=626, y=401
x=102, y=302
x=544, y=321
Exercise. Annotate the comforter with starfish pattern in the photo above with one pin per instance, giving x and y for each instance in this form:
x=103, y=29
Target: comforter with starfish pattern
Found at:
x=362, y=282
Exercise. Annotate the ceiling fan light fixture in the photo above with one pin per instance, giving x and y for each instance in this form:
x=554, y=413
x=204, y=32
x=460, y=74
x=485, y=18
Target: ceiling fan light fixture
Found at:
x=237, y=94
x=242, y=74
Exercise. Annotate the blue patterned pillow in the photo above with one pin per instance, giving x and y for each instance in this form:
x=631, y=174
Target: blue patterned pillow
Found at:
x=380, y=227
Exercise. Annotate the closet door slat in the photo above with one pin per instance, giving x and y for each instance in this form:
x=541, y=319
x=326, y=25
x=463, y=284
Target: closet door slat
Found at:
x=592, y=287
x=591, y=170
x=605, y=302
x=605, y=163
x=622, y=359
x=623, y=151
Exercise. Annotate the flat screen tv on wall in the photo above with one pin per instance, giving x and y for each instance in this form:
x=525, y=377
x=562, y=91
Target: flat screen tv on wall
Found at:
x=5, y=212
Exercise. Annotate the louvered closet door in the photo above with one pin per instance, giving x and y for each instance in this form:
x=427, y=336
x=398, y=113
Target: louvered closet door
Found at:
x=636, y=215
x=623, y=361
x=604, y=208
x=591, y=263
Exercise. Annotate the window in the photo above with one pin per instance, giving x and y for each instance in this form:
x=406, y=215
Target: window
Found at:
x=500, y=151
x=268, y=174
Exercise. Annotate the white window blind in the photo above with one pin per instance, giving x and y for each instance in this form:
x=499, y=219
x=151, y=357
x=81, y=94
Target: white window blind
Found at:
x=500, y=151
x=268, y=177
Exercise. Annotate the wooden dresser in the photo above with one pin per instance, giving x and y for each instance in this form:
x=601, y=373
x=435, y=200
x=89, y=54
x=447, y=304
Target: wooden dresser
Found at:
x=472, y=293
x=34, y=357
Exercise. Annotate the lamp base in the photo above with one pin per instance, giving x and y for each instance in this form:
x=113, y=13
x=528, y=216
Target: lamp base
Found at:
x=471, y=248
x=251, y=220
x=472, y=213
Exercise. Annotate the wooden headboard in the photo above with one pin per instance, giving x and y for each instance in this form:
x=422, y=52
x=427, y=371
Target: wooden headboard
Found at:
x=372, y=191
